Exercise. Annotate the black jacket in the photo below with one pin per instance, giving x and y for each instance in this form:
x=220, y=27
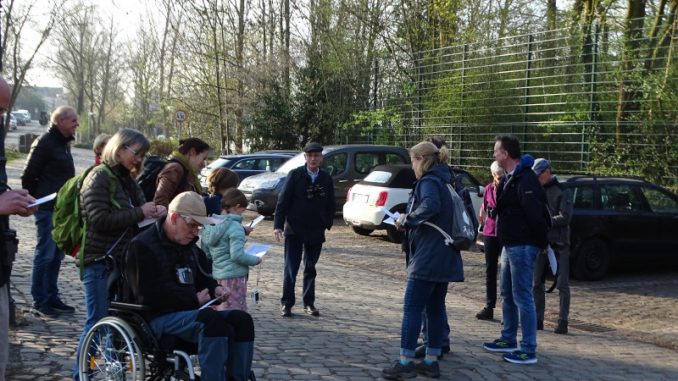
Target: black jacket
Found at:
x=522, y=217
x=49, y=166
x=560, y=208
x=306, y=209
x=152, y=268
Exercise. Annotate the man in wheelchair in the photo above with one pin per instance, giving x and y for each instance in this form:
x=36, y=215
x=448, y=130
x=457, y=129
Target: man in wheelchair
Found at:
x=169, y=275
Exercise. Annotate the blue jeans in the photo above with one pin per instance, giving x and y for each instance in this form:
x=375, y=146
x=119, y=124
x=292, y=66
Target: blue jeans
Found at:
x=211, y=330
x=420, y=294
x=293, y=254
x=446, y=328
x=95, y=278
x=517, y=266
x=46, y=261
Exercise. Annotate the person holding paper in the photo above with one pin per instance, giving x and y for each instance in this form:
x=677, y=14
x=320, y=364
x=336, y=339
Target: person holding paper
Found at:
x=48, y=166
x=225, y=244
x=111, y=220
x=560, y=207
x=169, y=275
x=305, y=209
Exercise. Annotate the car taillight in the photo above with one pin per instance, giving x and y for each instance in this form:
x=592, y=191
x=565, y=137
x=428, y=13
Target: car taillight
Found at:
x=348, y=194
x=381, y=200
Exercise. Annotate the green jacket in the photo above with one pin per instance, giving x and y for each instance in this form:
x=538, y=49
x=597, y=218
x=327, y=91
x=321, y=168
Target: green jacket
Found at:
x=225, y=244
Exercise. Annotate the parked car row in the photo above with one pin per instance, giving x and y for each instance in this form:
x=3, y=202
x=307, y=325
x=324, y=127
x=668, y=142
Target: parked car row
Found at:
x=347, y=164
x=247, y=165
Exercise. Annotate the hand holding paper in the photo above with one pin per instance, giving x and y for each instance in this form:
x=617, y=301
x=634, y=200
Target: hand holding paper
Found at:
x=43, y=200
x=257, y=249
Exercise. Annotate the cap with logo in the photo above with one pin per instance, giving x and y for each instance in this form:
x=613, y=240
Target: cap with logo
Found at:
x=313, y=147
x=190, y=204
x=540, y=165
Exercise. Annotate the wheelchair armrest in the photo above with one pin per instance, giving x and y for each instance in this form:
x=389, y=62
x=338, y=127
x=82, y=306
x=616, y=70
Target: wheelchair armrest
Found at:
x=130, y=306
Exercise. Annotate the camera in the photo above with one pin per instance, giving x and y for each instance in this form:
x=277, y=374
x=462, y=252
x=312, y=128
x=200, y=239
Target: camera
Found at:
x=492, y=212
x=315, y=190
x=255, y=296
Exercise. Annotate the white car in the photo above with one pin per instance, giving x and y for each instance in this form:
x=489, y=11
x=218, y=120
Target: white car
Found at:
x=389, y=187
x=386, y=187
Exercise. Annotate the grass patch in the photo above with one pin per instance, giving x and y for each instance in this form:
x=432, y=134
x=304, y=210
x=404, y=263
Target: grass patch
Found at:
x=12, y=154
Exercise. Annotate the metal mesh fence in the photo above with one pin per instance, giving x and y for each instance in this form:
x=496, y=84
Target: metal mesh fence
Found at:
x=592, y=100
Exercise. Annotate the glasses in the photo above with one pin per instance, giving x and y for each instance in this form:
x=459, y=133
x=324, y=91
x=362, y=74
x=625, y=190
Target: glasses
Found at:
x=194, y=226
x=139, y=155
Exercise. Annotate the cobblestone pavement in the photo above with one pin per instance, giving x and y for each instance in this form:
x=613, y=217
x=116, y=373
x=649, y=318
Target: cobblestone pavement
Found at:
x=621, y=327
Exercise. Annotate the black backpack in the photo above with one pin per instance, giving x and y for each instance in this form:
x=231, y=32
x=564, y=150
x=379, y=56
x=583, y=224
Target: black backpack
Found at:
x=148, y=176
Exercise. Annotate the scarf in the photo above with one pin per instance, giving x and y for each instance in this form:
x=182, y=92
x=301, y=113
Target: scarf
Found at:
x=184, y=161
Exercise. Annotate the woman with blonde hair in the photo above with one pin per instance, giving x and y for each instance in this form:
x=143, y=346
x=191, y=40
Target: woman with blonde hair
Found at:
x=430, y=263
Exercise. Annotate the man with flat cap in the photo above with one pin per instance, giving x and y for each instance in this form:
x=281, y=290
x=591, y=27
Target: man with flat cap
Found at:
x=305, y=209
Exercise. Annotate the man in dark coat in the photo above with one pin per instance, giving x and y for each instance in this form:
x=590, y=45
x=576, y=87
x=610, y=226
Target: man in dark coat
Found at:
x=305, y=209
x=48, y=167
x=522, y=223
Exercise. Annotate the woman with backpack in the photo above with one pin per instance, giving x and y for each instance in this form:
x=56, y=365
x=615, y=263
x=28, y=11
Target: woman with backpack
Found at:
x=112, y=204
x=180, y=174
x=431, y=264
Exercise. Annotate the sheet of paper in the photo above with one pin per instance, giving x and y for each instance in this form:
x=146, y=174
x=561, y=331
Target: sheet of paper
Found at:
x=146, y=221
x=392, y=217
x=43, y=200
x=209, y=303
x=257, y=249
x=256, y=221
x=553, y=262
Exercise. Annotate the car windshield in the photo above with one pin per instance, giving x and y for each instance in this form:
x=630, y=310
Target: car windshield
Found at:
x=220, y=162
x=379, y=177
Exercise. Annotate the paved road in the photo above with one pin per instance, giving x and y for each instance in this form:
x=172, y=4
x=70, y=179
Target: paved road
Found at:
x=621, y=326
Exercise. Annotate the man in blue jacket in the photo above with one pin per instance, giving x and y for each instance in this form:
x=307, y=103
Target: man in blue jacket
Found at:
x=48, y=166
x=304, y=210
x=522, y=224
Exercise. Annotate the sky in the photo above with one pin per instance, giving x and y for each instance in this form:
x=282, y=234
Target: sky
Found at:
x=128, y=12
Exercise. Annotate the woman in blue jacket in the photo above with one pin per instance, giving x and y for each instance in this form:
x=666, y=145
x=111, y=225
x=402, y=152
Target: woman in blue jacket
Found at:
x=430, y=263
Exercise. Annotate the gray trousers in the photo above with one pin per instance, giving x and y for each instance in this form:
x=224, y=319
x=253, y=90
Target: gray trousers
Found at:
x=4, y=329
x=538, y=289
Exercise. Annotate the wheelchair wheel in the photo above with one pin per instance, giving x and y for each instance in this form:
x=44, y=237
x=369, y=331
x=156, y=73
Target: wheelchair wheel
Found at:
x=110, y=352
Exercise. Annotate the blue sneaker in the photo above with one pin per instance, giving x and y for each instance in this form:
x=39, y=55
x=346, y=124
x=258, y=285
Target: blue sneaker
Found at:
x=519, y=357
x=500, y=345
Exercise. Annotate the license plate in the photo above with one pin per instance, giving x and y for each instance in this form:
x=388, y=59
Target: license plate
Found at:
x=361, y=198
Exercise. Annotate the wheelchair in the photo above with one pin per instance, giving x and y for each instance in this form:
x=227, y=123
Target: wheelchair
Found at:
x=122, y=347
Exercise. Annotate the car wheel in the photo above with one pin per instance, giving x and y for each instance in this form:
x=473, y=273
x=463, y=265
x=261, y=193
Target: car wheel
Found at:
x=361, y=231
x=394, y=235
x=593, y=260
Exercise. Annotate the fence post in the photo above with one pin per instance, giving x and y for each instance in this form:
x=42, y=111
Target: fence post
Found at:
x=593, y=102
x=461, y=112
x=526, y=92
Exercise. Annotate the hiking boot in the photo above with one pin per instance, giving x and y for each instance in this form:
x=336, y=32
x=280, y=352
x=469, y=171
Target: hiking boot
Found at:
x=311, y=310
x=61, y=307
x=519, y=357
x=428, y=369
x=399, y=371
x=486, y=313
x=540, y=325
x=44, y=311
x=561, y=329
x=285, y=311
x=500, y=345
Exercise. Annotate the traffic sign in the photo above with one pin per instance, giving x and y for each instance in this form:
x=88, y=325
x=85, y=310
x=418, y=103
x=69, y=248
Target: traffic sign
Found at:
x=180, y=116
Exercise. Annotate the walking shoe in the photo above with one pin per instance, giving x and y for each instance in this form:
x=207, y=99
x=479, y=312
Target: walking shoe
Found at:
x=486, y=313
x=44, y=310
x=310, y=310
x=285, y=311
x=428, y=369
x=540, y=325
x=420, y=352
x=62, y=307
x=500, y=345
x=561, y=329
x=399, y=371
x=519, y=357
